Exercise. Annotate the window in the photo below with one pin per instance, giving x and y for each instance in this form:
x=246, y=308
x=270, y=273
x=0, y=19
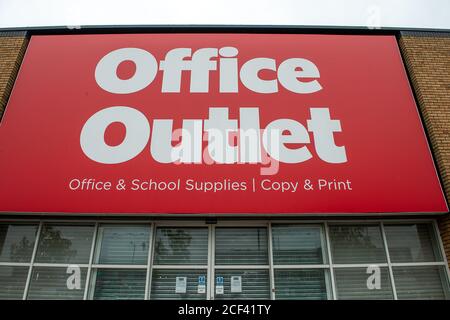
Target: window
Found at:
x=57, y=283
x=120, y=264
x=165, y=287
x=236, y=246
x=17, y=242
x=146, y=260
x=301, y=284
x=123, y=284
x=360, y=262
x=180, y=263
x=12, y=282
x=357, y=244
x=61, y=262
x=122, y=244
x=294, y=248
x=241, y=263
x=409, y=246
x=251, y=284
x=181, y=246
x=297, y=244
x=412, y=243
x=64, y=244
x=356, y=283
x=427, y=282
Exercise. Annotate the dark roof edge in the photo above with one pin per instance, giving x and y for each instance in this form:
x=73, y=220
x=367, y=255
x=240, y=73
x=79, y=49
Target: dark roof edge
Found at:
x=439, y=34
x=216, y=29
x=13, y=33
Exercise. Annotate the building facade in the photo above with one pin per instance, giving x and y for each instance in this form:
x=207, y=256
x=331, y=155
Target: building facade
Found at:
x=377, y=243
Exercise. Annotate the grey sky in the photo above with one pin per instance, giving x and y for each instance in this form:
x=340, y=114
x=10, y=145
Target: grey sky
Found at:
x=434, y=14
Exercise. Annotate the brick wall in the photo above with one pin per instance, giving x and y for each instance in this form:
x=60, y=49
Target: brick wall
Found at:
x=427, y=58
x=12, y=49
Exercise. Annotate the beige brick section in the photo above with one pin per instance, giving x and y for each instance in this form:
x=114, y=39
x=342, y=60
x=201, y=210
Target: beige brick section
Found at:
x=12, y=50
x=427, y=58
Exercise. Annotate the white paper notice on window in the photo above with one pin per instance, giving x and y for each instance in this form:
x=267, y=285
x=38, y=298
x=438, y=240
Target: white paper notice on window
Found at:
x=219, y=285
x=236, y=284
x=201, y=284
x=180, y=286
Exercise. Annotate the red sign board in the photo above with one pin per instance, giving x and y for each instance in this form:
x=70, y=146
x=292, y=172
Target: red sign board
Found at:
x=215, y=123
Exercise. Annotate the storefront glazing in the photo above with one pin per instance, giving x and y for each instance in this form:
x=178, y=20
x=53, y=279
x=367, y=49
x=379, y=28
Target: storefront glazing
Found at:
x=401, y=259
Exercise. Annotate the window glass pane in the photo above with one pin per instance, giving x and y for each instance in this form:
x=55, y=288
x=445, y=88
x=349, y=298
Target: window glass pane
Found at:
x=356, y=244
x=254, y=284
x=113, y=284
x=65, y=244
x=122, y=244
x=17, y=242
x=362, y=284
x=58, y=283
x=181, y=246
x=428, y=282
x=305, y=284
x=12, y=282
x=246, y=246
x=297, y=244
x=412, y=243
x=164, y=285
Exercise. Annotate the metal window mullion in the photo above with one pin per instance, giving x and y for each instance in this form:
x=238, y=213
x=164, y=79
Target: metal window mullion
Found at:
x=243, y=266
x=148, y=279
x=417, y=264
x=33, y=256
x=59, y=265
x=271, y=271
x=98, y=244
x=388, y=257
x=152, y=253
x=208, y=271
x=15, y=264
x=301, y=266
x=180, y=266
x=359, y=265
x=96, y=255
x=323, y=244
x=119, y=266
x=330, y=261
x=211, y=281
x=91, y=258
x=92, y=286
